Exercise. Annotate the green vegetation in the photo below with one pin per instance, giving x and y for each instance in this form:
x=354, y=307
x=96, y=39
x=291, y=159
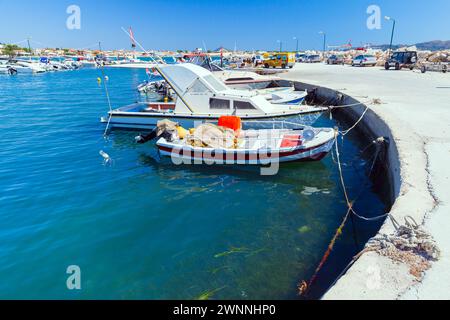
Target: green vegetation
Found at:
x=12, y=49
x=68, y=52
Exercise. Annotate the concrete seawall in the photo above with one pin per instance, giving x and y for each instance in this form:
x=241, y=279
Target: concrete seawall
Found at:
x=413, y=173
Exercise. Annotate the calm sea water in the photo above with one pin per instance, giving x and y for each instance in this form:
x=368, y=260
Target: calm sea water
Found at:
x=144, y=229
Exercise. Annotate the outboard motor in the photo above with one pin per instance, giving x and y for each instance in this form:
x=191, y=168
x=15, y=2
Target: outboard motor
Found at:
x=165, y=129
x=141, y=139
x=12, y=71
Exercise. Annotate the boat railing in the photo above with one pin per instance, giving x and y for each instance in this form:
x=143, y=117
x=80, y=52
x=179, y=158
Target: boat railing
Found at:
x=273, y=137
x=282, y=124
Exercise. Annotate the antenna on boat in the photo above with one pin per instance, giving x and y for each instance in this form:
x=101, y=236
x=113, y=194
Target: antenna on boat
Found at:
x=135, y=41
x=29, y=47
x=161, y=73
x=105, y=85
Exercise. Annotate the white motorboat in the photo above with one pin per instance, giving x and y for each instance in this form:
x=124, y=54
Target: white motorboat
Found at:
x=7, y=69
x=155, y=86
x=245, y=80
x=200, y=96
x=23, y=66
x=71, y=64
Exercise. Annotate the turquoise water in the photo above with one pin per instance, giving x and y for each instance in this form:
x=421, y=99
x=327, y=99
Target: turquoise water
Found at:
x=144, y=229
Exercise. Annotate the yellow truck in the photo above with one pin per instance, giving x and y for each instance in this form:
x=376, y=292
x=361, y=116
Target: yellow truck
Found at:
x=280, y=60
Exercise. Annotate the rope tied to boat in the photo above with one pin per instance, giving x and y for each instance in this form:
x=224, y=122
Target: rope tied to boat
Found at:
x=305, y=286
x=105, y=85
x=375, y=101
x=410, y=244
x=345, y=132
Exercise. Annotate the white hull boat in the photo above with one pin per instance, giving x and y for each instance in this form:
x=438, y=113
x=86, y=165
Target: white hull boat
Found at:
x=7, y=69
x=201, y=97
x=145, y=116
x=27, y=66
x=210, y=144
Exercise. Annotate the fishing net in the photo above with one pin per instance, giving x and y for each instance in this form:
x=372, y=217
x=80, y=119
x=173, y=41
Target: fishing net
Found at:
x=212, y=136
x=166, y=126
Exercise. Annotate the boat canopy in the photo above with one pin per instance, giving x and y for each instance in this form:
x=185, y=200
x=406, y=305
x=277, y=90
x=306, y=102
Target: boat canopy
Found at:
x=183, y=77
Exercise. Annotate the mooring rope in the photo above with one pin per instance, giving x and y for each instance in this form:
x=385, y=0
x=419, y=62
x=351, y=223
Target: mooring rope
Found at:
x=345, y=132
x=105, y=85
x=351, y=105
x=304, y=286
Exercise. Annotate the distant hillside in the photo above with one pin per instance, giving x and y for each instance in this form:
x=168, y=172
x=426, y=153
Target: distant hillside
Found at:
x=434, y=45
x=430, y=45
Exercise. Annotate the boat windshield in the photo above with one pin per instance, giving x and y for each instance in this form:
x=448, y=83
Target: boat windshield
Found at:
x=216, y=84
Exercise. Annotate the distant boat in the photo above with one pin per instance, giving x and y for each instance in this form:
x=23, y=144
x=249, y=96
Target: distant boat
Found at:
x=200, y=96
x=5, y=68
x=24, y=66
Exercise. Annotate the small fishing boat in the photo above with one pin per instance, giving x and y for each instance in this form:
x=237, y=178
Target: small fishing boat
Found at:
x=200, y=96
x=226, y=143
x=150, y=86
x=245, y=80
x=288, y=98
x=159, y=87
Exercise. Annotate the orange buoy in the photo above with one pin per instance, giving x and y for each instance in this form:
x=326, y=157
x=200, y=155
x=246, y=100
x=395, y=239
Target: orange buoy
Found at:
x=230, y=122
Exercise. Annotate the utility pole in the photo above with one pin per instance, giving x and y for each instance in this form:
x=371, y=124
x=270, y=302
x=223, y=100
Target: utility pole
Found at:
x=392, y=34
x=281, y=45
x=324, y=42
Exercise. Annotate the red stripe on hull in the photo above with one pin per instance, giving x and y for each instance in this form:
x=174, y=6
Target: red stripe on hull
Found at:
x=247, y=156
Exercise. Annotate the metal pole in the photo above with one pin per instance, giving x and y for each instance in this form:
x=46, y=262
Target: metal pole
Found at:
x=281, y=46
x=297, y=45
x=324, y=43
x=392, y=37
x=29, y=47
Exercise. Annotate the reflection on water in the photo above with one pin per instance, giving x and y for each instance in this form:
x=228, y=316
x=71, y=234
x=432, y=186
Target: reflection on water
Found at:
x=142, y=228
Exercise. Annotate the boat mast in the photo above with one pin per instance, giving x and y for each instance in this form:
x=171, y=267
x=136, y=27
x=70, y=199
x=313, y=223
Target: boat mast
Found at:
x=29, y=47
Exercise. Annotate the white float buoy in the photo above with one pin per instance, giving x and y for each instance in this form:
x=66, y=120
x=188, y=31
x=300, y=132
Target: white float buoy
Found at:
x=107, y=159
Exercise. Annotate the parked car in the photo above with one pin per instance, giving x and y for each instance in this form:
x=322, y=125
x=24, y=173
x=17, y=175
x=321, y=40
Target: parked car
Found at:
x=258, y=59
x=402, y=59
x=300, y=57
x=281, y=59
x=334, y=59
x=434, y=66
x=315, y=58
x=364, y=60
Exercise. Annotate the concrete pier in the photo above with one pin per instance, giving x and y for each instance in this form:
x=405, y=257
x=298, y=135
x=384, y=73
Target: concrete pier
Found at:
x=415, y=114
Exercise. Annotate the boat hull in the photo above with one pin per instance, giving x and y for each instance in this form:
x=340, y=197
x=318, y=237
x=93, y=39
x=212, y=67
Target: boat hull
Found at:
x=131, y=119
x=136, y=122
x=188, y=155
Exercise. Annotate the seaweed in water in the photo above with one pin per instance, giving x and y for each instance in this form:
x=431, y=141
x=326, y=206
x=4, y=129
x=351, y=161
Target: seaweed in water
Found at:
x=209, y=294
x=231, y=251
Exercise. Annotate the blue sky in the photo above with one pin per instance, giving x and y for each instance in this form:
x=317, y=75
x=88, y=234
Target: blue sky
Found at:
x=173, y=24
